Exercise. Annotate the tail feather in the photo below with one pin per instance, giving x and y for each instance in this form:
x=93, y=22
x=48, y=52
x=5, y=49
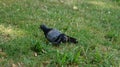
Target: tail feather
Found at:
x=65, y=38
x=72, y=40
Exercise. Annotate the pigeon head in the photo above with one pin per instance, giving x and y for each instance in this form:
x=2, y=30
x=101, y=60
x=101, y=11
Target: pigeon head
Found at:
x=44, y=28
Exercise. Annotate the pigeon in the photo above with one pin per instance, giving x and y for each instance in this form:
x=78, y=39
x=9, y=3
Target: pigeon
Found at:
x=55, y=36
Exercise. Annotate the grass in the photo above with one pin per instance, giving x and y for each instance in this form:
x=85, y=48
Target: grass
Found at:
x=95, y=23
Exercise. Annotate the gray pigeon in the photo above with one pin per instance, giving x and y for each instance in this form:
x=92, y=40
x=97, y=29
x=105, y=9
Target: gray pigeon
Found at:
x=55, y=36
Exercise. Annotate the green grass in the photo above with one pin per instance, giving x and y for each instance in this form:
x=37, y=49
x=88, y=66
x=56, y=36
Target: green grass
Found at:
x=95, y=24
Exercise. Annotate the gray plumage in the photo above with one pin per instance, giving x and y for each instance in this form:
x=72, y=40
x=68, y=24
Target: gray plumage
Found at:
x=53, y=35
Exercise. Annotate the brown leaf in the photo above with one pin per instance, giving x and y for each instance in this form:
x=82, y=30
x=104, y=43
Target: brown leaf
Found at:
x=3, y=54
x=75, y=8
x=61, y=1
x=20, y=64
x=1, y=60
x=14, y=65
x=35, y=54
x=44, y=51
x=45, y=63
x=1, y=50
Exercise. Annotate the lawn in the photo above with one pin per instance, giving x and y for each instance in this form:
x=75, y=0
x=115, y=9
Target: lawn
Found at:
x=95, y=23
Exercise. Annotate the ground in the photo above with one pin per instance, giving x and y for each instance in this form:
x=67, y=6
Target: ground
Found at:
x=95, y=23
